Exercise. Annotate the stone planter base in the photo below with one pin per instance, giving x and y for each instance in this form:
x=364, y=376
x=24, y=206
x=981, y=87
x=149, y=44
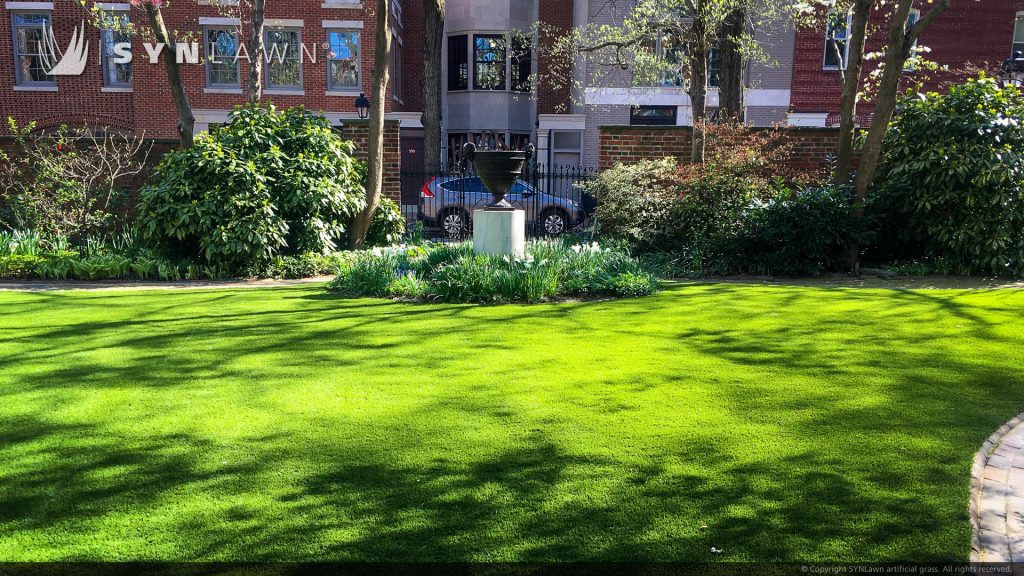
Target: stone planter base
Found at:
x=501, y=232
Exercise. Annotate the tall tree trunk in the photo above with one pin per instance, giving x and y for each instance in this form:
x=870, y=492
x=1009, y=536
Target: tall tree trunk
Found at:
x=256, y=50
x=186, y=121
x=854, y=66
x=433, y=39
x=378, y=102
x=730, y=86
x=697, y=54
x=898, y=51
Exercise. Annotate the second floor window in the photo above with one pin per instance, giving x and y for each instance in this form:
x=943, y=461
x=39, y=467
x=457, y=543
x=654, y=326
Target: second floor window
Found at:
x=837, y=45
x=522, y=64
x=116, y=74
x=488, y=62
x=30, y=65
x=714, y=67
x=343, y=60
x=221, y=47
x=458, y=62
x=284, y=59
x=1018, y=35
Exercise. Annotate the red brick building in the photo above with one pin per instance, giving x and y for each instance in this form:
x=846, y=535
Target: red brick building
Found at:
x=971, y=35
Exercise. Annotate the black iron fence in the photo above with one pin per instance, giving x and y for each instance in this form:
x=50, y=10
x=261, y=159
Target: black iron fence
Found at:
x=552, y=196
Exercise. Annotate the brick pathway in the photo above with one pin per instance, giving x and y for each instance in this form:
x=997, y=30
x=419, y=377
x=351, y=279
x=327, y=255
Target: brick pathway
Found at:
x=997, y=496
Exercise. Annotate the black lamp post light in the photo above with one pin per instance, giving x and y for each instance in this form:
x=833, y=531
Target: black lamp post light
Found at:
x=362, y=106
x=1012, y=70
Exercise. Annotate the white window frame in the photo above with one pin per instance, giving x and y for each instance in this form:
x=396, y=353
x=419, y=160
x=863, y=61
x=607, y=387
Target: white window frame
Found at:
x=273, y=59
x=207, y=57
x=828, y=45
x=331, y=88
x=19, y=81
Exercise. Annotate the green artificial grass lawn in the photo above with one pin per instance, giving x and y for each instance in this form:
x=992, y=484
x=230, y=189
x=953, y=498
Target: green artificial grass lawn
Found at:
x=771, y=422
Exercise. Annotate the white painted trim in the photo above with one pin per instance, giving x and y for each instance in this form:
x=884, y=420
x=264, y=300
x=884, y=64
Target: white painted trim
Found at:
x=562, y=122
x=678, y=97
x=222, y=90
x=406, y=119
x=218, y=21
x=343, y=93
x=35, y=88
x=114, y=6
x=276, y=92
x=808, y=119
x=343, y=24
x=285, y=23
x=117, y=89
x=343, y=4
x=30, y=6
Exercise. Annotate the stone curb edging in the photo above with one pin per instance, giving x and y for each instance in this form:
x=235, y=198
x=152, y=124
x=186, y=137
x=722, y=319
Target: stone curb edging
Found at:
x=997, y=496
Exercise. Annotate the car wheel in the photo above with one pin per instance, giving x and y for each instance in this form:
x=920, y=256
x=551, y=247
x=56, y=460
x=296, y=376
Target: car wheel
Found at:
x=554, y=223
x=454, y=224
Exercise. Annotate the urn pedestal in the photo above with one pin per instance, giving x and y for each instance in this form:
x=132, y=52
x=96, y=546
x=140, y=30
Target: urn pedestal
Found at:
x=501, y=232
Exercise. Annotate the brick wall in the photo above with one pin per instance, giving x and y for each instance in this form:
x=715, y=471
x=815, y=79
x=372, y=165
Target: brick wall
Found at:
x=968, y=34
x=358, y=131
x=558, y=16
x=626, y=144
x=148, y=110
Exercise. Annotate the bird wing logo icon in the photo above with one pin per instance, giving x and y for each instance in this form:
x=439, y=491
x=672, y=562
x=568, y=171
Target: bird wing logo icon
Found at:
x=70, y=62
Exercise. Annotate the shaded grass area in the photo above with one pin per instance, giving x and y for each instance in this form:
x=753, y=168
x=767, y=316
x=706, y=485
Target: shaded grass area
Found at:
x=772, y=422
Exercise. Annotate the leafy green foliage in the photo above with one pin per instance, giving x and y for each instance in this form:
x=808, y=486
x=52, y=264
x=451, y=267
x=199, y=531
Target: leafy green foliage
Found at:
x=388, y=224
x=952, y=181
x=453, y=273
x=266, y=184
x=804, y=234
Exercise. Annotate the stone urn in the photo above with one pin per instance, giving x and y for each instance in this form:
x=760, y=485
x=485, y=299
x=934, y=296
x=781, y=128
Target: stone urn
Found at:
x=498, y=170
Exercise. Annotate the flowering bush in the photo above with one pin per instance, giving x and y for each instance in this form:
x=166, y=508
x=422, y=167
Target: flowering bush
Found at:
x=453, y=273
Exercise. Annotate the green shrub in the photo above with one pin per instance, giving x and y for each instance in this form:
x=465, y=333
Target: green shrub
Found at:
x=266, y=184
x=453, y=273
x=952, y=181
x=636, y=202
x=387, y=226
x=19, y=265
x=807, y=233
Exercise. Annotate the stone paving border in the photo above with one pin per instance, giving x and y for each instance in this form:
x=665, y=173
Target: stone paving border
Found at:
x=41, y=286
x=997, y=496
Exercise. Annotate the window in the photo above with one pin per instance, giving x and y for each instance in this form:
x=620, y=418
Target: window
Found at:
x=1018, y=35
x=116, y=74
x=31, y=31
x=396, y=74
x=670, y=52
x=458, y=62
x=566, y=148
x=837, y=46
x=343, y=60
x=284, y=58
x=488, y=62
x=714, y=67
x=652, y=115
x=221, y=47
x=522, y=64
x=912, y=19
